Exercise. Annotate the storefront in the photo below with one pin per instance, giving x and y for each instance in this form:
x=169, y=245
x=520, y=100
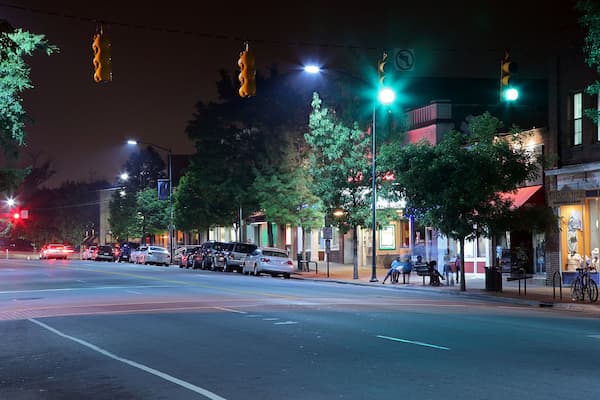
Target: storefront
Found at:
x=579, y=214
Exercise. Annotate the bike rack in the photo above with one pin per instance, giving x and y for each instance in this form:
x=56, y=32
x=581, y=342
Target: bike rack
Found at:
x=556, y=273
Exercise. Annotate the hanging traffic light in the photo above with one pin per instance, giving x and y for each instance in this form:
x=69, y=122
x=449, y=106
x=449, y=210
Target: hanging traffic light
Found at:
x=508, y=91
x=102, y=61
x=381, y=69
x=247, y=74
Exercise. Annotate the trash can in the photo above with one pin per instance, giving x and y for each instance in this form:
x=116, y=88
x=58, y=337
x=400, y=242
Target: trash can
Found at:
x=493, y=279
x=299, y=258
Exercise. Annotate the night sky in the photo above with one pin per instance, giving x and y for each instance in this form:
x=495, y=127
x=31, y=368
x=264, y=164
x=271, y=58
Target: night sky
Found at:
x=159, y=76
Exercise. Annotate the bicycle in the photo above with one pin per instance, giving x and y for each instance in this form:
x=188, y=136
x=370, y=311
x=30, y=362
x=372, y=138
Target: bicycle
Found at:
x=584, y=285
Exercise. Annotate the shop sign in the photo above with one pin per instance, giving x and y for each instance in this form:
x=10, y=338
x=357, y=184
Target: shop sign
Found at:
x=559, y=197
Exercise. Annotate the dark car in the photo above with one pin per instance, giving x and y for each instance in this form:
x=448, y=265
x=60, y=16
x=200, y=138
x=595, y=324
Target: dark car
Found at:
x=187, y=257
x=235, y=254
x=212, y=255
x=104, y=253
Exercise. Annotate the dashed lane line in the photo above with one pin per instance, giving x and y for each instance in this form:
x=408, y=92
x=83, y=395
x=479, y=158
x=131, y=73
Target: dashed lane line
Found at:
x=434, y=346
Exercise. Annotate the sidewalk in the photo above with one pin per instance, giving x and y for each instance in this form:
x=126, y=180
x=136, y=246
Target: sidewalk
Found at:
x=536, y=294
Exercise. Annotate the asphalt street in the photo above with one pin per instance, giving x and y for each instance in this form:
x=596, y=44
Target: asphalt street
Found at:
x=83, y=329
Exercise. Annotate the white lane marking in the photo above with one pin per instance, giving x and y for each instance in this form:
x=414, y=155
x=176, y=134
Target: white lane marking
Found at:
x=206, y=393
x=270, y=319
x=133, y=291
x=594, y=336
x=252, y=316
x=81, y=288
x=230, y=310
x=413, y=342
x=285, y=323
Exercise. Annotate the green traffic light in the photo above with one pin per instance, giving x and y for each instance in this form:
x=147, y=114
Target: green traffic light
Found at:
x=386, y=95
x=511, y=94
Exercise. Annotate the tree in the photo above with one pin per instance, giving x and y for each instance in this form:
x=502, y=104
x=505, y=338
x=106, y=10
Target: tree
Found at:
x=234, y=139
x=590, y=20
x=340, y=168
x=456, y=186
x=285, y=197
x=15, y=44
x=144, y=168
x=152, y=214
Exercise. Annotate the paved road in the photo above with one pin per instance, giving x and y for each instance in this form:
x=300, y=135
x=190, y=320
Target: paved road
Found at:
x=78, y=329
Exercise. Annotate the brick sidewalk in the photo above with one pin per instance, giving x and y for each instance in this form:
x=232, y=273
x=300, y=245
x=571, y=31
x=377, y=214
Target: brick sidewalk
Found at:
x=537, y=294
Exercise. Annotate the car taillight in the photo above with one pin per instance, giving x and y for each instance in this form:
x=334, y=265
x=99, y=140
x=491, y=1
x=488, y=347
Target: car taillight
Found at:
x=289, y=262
x=264, y=259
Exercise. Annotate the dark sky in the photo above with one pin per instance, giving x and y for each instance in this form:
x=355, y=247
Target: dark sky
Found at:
x=158, y=76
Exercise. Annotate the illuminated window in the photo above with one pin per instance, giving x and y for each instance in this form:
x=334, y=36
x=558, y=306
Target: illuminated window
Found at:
x=577, y=118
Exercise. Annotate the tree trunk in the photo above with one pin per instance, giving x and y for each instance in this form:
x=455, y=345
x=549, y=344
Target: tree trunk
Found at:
x=463, y=287
x=303, y=247
x=270, y=234
x=354, y=252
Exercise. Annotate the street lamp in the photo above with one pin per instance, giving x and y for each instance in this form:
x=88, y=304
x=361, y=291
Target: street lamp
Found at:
x=170, y=155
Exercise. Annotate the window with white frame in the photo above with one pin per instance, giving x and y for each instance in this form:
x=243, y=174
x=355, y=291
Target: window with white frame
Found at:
x=577, y=118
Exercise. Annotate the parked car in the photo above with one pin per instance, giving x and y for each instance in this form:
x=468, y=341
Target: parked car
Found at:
x=235, y=253
x=104, y=253
x=185, y=256
x=212, y=254
x=151, y=255
x=55, y=250
x=268, y=260
x=88, y=253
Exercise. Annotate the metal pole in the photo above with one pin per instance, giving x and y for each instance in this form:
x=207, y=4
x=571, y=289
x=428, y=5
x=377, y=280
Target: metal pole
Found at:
x=171, y=204
x=373, y=205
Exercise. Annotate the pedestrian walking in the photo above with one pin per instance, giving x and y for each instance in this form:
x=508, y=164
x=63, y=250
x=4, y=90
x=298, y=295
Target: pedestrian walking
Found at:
x=457, y=267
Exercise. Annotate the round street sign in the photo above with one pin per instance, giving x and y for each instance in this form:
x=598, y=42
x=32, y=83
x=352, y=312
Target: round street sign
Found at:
x=404, y=59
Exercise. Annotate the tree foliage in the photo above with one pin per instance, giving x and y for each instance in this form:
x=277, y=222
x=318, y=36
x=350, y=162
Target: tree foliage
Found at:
x=456, y=185
x=236, y=138
x=15, y=45
x=590, y=20
x=144, y=167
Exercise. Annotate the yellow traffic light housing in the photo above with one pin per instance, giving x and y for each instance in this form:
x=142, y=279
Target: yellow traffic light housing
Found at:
x=102, y=59
x=507, y=69
x=247, y=76
x=381, y=69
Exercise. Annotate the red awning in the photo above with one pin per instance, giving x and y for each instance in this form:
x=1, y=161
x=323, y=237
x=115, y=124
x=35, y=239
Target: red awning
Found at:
x=529, y=194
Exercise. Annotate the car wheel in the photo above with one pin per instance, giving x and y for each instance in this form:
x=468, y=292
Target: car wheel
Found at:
x=286, y=276
x=245, y=272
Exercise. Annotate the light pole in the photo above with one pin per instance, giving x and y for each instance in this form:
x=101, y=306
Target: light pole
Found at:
x=170, y=156
x=385, y=96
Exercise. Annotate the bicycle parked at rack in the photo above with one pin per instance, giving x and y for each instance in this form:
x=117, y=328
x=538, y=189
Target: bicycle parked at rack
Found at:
x=584, y=285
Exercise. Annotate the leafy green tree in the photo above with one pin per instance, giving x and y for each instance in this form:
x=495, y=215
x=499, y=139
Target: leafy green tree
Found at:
x=590, y=20
x=15, y=44
x=456, y=185
x=152, y=214
x=285, y=197
x=340, y=168
x=144, y=168
x=234, y=138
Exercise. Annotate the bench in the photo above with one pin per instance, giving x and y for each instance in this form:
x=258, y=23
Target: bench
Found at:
x=430, y=271
x=305, y=266
x=396, y=276
x=520, y=276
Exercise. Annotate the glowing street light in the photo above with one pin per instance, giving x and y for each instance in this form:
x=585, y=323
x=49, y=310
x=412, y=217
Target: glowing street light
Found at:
x=170, y=154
